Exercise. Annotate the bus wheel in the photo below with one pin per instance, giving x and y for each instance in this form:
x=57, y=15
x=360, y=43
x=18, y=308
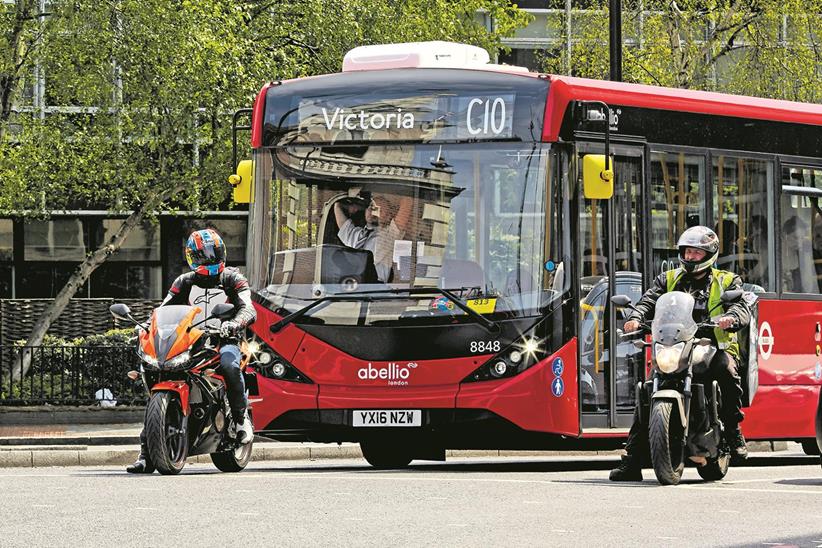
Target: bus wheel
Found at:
x=385, y=455
x=809, y=446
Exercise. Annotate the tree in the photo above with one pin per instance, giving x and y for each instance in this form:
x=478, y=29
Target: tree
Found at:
x=148, y=87
x=757, y=47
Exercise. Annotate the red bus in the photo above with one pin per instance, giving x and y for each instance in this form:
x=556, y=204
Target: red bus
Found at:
x=429, y=274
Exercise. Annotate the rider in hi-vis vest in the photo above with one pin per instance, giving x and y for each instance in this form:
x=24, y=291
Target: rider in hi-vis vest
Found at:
x=698, y=251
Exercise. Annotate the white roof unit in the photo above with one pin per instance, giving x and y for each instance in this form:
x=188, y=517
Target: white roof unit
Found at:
x=419, y=55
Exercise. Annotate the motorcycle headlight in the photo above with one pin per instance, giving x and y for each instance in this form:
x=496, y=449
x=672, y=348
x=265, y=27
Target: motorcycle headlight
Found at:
x=177, y=361
x=667, y=357
x=148, y=360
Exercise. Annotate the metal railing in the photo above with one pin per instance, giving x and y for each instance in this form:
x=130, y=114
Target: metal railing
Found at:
x=70, y=375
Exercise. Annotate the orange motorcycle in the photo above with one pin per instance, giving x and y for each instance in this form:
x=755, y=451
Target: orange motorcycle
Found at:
x=187, y=412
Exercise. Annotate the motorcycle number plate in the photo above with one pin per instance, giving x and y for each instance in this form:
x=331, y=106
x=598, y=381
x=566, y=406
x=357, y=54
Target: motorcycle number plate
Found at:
x=387, y=417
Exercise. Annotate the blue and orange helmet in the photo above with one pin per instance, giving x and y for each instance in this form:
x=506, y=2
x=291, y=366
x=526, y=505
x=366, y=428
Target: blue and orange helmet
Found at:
x=205, y=252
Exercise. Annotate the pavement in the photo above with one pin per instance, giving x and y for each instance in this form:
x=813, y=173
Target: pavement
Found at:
x=118, y=444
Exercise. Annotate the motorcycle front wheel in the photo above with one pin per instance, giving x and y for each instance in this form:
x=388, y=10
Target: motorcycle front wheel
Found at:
x=166, y=434
x=665, y=436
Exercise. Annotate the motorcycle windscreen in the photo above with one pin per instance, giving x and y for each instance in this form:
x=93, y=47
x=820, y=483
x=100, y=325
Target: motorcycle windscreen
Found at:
x=673, y=318
x=167, y=323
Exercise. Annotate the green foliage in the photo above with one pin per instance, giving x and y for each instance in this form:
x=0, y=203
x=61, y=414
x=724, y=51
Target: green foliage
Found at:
x=754, y=47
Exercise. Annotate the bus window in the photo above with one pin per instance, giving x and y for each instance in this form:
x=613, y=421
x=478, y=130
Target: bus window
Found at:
x=480, y=220
x=741, y=205
x=801, y=231
x=677, y=182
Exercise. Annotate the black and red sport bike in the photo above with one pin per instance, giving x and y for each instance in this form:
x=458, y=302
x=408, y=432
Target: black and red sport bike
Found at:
x=187, y=412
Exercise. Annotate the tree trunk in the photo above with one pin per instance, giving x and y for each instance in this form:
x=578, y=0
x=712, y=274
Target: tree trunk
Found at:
x=15, y=57
x=79, y=277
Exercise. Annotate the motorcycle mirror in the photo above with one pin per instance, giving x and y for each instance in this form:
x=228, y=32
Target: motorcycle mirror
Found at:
x=121, y=312
x=622, y=300
x=732, y=295
x=222, y=311
x=704, y=342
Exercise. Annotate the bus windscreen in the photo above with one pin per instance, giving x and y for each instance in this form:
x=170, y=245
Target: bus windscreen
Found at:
x=468, y=218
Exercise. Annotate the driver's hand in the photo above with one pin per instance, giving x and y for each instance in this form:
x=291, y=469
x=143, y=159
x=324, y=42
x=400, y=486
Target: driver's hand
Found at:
x=630, y=325
x=229, y=329
x=725, y=322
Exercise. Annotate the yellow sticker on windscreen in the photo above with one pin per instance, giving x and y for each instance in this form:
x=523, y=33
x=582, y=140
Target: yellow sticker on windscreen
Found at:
x=483, y=306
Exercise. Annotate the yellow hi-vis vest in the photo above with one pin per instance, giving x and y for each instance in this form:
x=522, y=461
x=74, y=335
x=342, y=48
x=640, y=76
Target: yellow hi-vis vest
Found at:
x=720, y=280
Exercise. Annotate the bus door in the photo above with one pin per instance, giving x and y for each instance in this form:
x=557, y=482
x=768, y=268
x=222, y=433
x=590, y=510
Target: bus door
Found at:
x=609, y=240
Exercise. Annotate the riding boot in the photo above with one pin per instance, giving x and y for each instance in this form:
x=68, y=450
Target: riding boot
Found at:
x=143, y=464
x=737, y=444
x=629, y=469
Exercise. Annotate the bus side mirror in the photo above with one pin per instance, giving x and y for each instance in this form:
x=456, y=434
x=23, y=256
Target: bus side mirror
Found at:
x=242, y=181
x=597, y=182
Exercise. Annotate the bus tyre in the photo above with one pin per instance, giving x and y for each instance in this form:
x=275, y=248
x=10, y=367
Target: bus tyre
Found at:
x=716, y=468
x=809, y=447
x=166, y=434
x=665, y=437
x=385, y=455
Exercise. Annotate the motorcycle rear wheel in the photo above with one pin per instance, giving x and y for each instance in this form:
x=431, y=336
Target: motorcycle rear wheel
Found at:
x=665, y=436
x=166, y=434
x=715, y=469
x=385, y=455
x=233, y=461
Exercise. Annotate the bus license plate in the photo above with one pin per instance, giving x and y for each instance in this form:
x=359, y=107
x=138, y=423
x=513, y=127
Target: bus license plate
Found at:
x=396, y=417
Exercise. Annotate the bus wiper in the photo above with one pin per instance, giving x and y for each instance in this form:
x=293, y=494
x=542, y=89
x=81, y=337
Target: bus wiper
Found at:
x=384, y=294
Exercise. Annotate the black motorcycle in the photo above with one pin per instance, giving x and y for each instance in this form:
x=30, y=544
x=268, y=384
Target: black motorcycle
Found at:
x=682, y=415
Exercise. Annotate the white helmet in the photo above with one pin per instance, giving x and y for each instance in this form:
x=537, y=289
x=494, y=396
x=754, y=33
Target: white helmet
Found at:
x=700, y=237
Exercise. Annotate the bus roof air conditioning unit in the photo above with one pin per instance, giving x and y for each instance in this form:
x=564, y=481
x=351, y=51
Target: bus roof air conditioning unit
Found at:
x=415, y=55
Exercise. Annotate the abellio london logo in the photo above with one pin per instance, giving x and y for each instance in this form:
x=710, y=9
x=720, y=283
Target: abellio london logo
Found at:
x=394, y=373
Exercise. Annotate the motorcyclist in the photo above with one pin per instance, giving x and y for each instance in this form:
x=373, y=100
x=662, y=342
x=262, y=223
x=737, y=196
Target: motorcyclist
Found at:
x=698, y=251
x=206, y=254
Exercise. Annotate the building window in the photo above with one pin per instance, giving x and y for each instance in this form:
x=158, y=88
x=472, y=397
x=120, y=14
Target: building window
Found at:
x=55, y=240
x=801, y=230
x=142, y=243
x=121, y=280
x=741, y=206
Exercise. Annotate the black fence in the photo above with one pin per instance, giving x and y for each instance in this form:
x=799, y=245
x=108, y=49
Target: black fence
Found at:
x=70, y=375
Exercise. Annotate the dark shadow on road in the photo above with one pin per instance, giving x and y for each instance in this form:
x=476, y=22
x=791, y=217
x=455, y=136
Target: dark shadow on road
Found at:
x=804, y=482
x=805, y=540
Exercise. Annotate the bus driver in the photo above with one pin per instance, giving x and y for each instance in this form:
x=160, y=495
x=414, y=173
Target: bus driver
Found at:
x=380, y=231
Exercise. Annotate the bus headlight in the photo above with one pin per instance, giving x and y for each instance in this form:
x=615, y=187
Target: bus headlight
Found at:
x=516, y=358
x=667, y=357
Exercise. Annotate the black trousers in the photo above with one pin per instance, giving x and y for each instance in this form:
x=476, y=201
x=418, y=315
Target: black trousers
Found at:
x=724, y=370
x=235, y=383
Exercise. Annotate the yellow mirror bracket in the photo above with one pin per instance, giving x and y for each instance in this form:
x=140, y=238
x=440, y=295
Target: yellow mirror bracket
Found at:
x=242, y=181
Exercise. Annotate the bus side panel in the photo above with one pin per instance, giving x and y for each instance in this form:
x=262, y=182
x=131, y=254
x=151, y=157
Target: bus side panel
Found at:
x=782, y=412
x=530, y=400
x=787, y=342
x=277, y=397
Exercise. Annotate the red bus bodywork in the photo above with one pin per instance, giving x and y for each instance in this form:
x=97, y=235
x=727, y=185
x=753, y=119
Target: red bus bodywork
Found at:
x=789, y=383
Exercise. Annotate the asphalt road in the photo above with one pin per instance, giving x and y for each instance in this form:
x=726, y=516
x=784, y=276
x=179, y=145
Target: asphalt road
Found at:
x=544, y=501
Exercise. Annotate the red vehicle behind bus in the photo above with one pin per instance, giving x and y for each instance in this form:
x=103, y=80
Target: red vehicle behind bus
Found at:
x=430, y=275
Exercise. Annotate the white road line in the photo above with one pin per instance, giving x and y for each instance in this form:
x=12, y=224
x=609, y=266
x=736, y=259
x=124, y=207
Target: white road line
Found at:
x=355, y=519
x=744, y=490
x=532, y=502
x=42, y=506
x=561, y=531
x=343, y=494
x=143, y=508
x=437, y=498
x=668, y=538
x=729, y=511
x=243, y=491
x=457, y=525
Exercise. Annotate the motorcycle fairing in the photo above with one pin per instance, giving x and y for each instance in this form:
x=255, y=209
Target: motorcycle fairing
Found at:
x=180, y=387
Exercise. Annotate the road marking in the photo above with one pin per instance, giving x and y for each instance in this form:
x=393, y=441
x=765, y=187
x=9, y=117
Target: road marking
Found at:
x=243, y=491
x=42, y=506
x=561, y=531
x=437, y=498
x=532, y=502
x=149, y=488
x=668, y=538
x=729, y=511
x=744, y=490
x=457, y=525
x=143, y=508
